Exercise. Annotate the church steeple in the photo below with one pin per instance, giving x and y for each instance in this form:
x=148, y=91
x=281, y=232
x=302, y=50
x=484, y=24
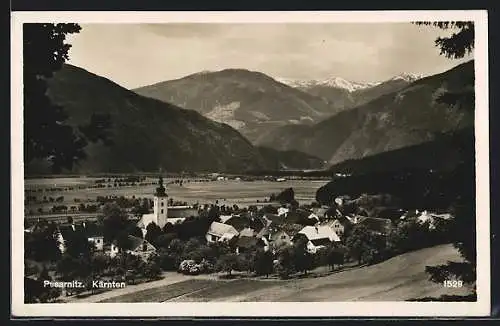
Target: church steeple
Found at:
x=160, y=191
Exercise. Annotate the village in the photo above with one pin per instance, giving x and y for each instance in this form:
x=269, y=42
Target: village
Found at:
x=279, y=238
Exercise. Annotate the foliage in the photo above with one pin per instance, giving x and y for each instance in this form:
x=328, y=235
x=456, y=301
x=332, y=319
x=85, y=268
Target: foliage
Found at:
x=364, y=246
x=47, y=133
x=302, y=258
x=115, y=220
x=285, y=265
x=153, y=231
x=41, y=246
x=459, y=44
x=36, y=292
x=227, y=263
x=78, y=245
x=152, y=270
x=287, y=196
x=263, y=262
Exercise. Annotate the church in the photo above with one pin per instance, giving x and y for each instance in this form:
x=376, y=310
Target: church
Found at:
x=162, y=213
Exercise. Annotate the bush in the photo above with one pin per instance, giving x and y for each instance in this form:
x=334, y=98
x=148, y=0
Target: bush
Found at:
x=189, y=267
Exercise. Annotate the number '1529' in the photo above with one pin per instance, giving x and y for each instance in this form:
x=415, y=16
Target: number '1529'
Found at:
x=453, y=284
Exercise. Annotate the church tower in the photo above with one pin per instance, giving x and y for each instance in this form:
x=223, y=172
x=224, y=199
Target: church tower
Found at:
x=160, y=205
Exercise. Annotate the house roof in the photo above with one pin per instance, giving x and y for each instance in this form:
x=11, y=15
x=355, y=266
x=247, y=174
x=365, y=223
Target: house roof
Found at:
x=90, y=229
x=247, y=242
x=291, y=229
x=136, y=242
x=380, y=225
x=238, y=222
x=219, y=229
x=321, y=242
x=225, y=218
x=319, y=232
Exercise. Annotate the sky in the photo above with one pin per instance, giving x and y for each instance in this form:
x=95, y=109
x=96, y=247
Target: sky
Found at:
x=134, y=55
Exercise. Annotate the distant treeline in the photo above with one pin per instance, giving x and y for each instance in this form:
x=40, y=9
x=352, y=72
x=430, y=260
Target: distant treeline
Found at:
x=445, y=152
x=415, y=188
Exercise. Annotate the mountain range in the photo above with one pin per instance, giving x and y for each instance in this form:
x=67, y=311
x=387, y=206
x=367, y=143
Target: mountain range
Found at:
x=148, y=134
x=256, y=104
x=343, y=94
x=249, y=101
x=409, y=116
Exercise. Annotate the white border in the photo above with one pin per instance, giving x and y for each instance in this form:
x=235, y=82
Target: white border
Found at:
x=304, y=309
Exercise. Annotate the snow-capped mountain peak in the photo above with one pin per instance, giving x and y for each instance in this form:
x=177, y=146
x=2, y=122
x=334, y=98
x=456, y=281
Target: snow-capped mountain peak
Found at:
x=408, y=77
x=350, y=86
x=336, y=82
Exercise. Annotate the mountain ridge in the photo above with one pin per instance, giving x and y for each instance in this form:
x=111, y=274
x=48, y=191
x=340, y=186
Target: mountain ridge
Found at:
x=148, y=134
x=395, y=120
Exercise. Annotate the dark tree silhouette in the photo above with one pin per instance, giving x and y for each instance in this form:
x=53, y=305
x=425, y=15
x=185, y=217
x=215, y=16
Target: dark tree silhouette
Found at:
x=115, y=221
x=153, y=231
x=456, y=46
x=47, y=134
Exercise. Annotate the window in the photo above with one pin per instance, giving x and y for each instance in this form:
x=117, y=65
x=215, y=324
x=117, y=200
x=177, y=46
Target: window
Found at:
x=283, y=237
x=162, y=203
x=162, y=210
x=144, y=246
x=98, y=240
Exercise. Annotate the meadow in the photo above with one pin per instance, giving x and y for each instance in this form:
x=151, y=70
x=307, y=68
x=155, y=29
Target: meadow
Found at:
x=227, y=192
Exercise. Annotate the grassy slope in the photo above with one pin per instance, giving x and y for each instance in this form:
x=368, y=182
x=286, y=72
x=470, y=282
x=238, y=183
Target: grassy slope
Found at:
x=397, y=279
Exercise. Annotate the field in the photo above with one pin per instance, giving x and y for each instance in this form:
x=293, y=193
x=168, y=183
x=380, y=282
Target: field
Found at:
x=400, y=278
x=227, y=192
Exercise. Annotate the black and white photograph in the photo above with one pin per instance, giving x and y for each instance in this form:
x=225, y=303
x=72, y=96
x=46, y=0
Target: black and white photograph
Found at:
x=232, y=164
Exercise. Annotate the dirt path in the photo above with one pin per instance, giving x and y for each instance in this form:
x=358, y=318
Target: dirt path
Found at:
x=168, y=278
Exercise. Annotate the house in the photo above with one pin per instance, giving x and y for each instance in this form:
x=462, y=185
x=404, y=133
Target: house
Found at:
x=248, y=232
x=426, y=217
x=220, y=232
x=92, y=231
x=95, y=235
x=244, y=244
x=135, y=246
x=239, y=222
x=225, y=218
x=379, y=226
x=318, y=236
x=314, y=217
x=283, y=211
x=340, y=225
x=277, y=231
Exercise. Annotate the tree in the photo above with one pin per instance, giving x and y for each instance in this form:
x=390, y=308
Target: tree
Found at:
x=459, y=44
x=164, y=240
x=285, y=265
x=263, y=262
x=115, y=220
x=41, y=246
x=153, y=231
x=47, y=133
x=287, y=196
x=135, y=231
x=152, y=269
x=362, y=244
x=78, y=245
x=335, y=255
x=227, y=263
x=302, y=258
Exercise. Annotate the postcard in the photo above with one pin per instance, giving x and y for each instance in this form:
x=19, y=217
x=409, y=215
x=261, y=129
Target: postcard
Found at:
x=250, y=164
